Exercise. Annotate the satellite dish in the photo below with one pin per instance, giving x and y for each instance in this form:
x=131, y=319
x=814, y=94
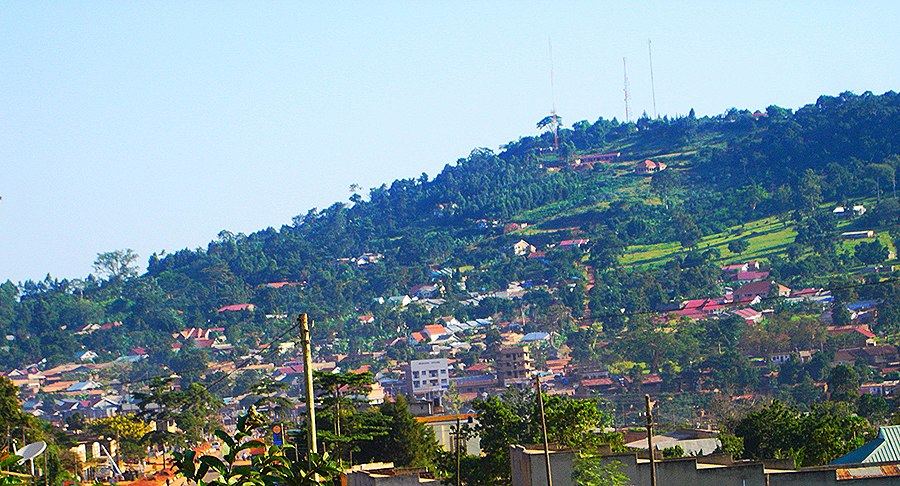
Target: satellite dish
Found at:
x=31, y=451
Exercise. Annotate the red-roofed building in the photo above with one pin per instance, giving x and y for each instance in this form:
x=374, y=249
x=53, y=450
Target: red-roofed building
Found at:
x=236, y=308
x=278, y=285
x=741, y=267
x=434, y=332
x=649, y=167
x=764, y=289
x=860, y=336
x=750, y=276
x=110, y=325
x=570, y=243
x=751, y=316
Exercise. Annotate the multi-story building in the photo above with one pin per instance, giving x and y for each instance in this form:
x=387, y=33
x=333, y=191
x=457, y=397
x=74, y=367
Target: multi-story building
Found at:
x=513, y=365
x=428, y=378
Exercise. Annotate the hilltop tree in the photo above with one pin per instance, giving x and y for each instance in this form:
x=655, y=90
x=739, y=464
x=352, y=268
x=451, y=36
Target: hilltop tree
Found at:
x=116, y=265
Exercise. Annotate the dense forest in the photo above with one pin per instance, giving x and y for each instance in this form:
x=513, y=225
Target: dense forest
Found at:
x=454, y=230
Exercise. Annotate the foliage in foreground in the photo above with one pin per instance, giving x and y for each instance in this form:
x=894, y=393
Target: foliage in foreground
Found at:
x=274, y=465
x=592, y=471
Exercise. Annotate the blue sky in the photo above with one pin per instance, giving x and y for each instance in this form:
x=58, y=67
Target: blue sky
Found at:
x=155, y=125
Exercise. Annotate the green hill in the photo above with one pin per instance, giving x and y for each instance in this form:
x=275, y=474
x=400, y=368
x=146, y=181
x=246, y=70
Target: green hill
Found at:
x=766, y=178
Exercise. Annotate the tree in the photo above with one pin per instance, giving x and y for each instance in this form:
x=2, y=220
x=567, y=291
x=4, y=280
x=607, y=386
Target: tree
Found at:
x=843, y=384
x=810, y=190
x=128, y=430
x=550, y=121
x=882, y=174
x=873, y=408
x=116, y=265
x=407, y=443
x=594, y=471
x=339, y=398
x=738, y=246
x=871, y=253
x=193, y=410
x=827, y=432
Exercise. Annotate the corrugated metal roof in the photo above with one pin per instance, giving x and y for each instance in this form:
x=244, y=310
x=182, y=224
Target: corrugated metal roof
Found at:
x=889, y=470
x=885, y=448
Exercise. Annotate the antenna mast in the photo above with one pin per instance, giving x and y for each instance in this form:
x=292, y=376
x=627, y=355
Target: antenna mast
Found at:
x=553, y=100
x=652, y=84
x=627, y=97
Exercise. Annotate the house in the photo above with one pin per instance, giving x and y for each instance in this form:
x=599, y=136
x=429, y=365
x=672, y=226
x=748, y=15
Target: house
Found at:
x=88, y=328
x=278, y=285
x=883, y=389
x=811, y=295
x=522, y=248
x=649, y=167
x=368, y=258
x=399, y=300
x=860, y=336
x=741, y=267
x=535, y=337
x=86, y=356
x=858, y=235
x=594, y=158
x=426, y=291
x=750, y=316
x=573, y=243
x=857, y=210
x=236, y=308
x=750, y=276
x=765, y=289
x=435, y=332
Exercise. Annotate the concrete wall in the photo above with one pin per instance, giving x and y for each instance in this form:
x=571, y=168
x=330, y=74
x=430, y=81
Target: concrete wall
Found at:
x=528, y=470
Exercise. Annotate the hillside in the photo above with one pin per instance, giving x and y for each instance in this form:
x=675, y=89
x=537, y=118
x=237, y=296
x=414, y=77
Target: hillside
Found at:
x=636, y=241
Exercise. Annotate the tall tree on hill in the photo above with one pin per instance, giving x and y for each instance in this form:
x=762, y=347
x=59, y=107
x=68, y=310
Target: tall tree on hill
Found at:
x=116, y=265
x=809, y=189
x=843, y=383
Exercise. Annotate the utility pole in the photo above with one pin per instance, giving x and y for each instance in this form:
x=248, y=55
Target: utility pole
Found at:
x=458, y=432
x=537, y=381
x=650, y=440
x=652, y=84
x=627, y=96
x=310, y=396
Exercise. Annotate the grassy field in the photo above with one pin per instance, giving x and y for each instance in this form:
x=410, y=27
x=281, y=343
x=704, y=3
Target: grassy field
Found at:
x=766, y=237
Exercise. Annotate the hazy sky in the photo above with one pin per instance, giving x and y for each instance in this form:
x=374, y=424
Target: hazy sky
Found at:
x=155, y=125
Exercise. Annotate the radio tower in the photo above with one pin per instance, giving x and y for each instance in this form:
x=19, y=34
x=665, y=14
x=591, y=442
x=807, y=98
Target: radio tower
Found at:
x=553, y=101
x=652, y=84
x=627, y=96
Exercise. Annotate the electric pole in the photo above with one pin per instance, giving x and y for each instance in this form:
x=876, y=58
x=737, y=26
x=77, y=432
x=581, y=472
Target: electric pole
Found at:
x=537, y=381
x=310, y=396
x=650, y=440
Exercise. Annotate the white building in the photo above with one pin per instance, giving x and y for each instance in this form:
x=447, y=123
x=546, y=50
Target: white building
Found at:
x=428, y=378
